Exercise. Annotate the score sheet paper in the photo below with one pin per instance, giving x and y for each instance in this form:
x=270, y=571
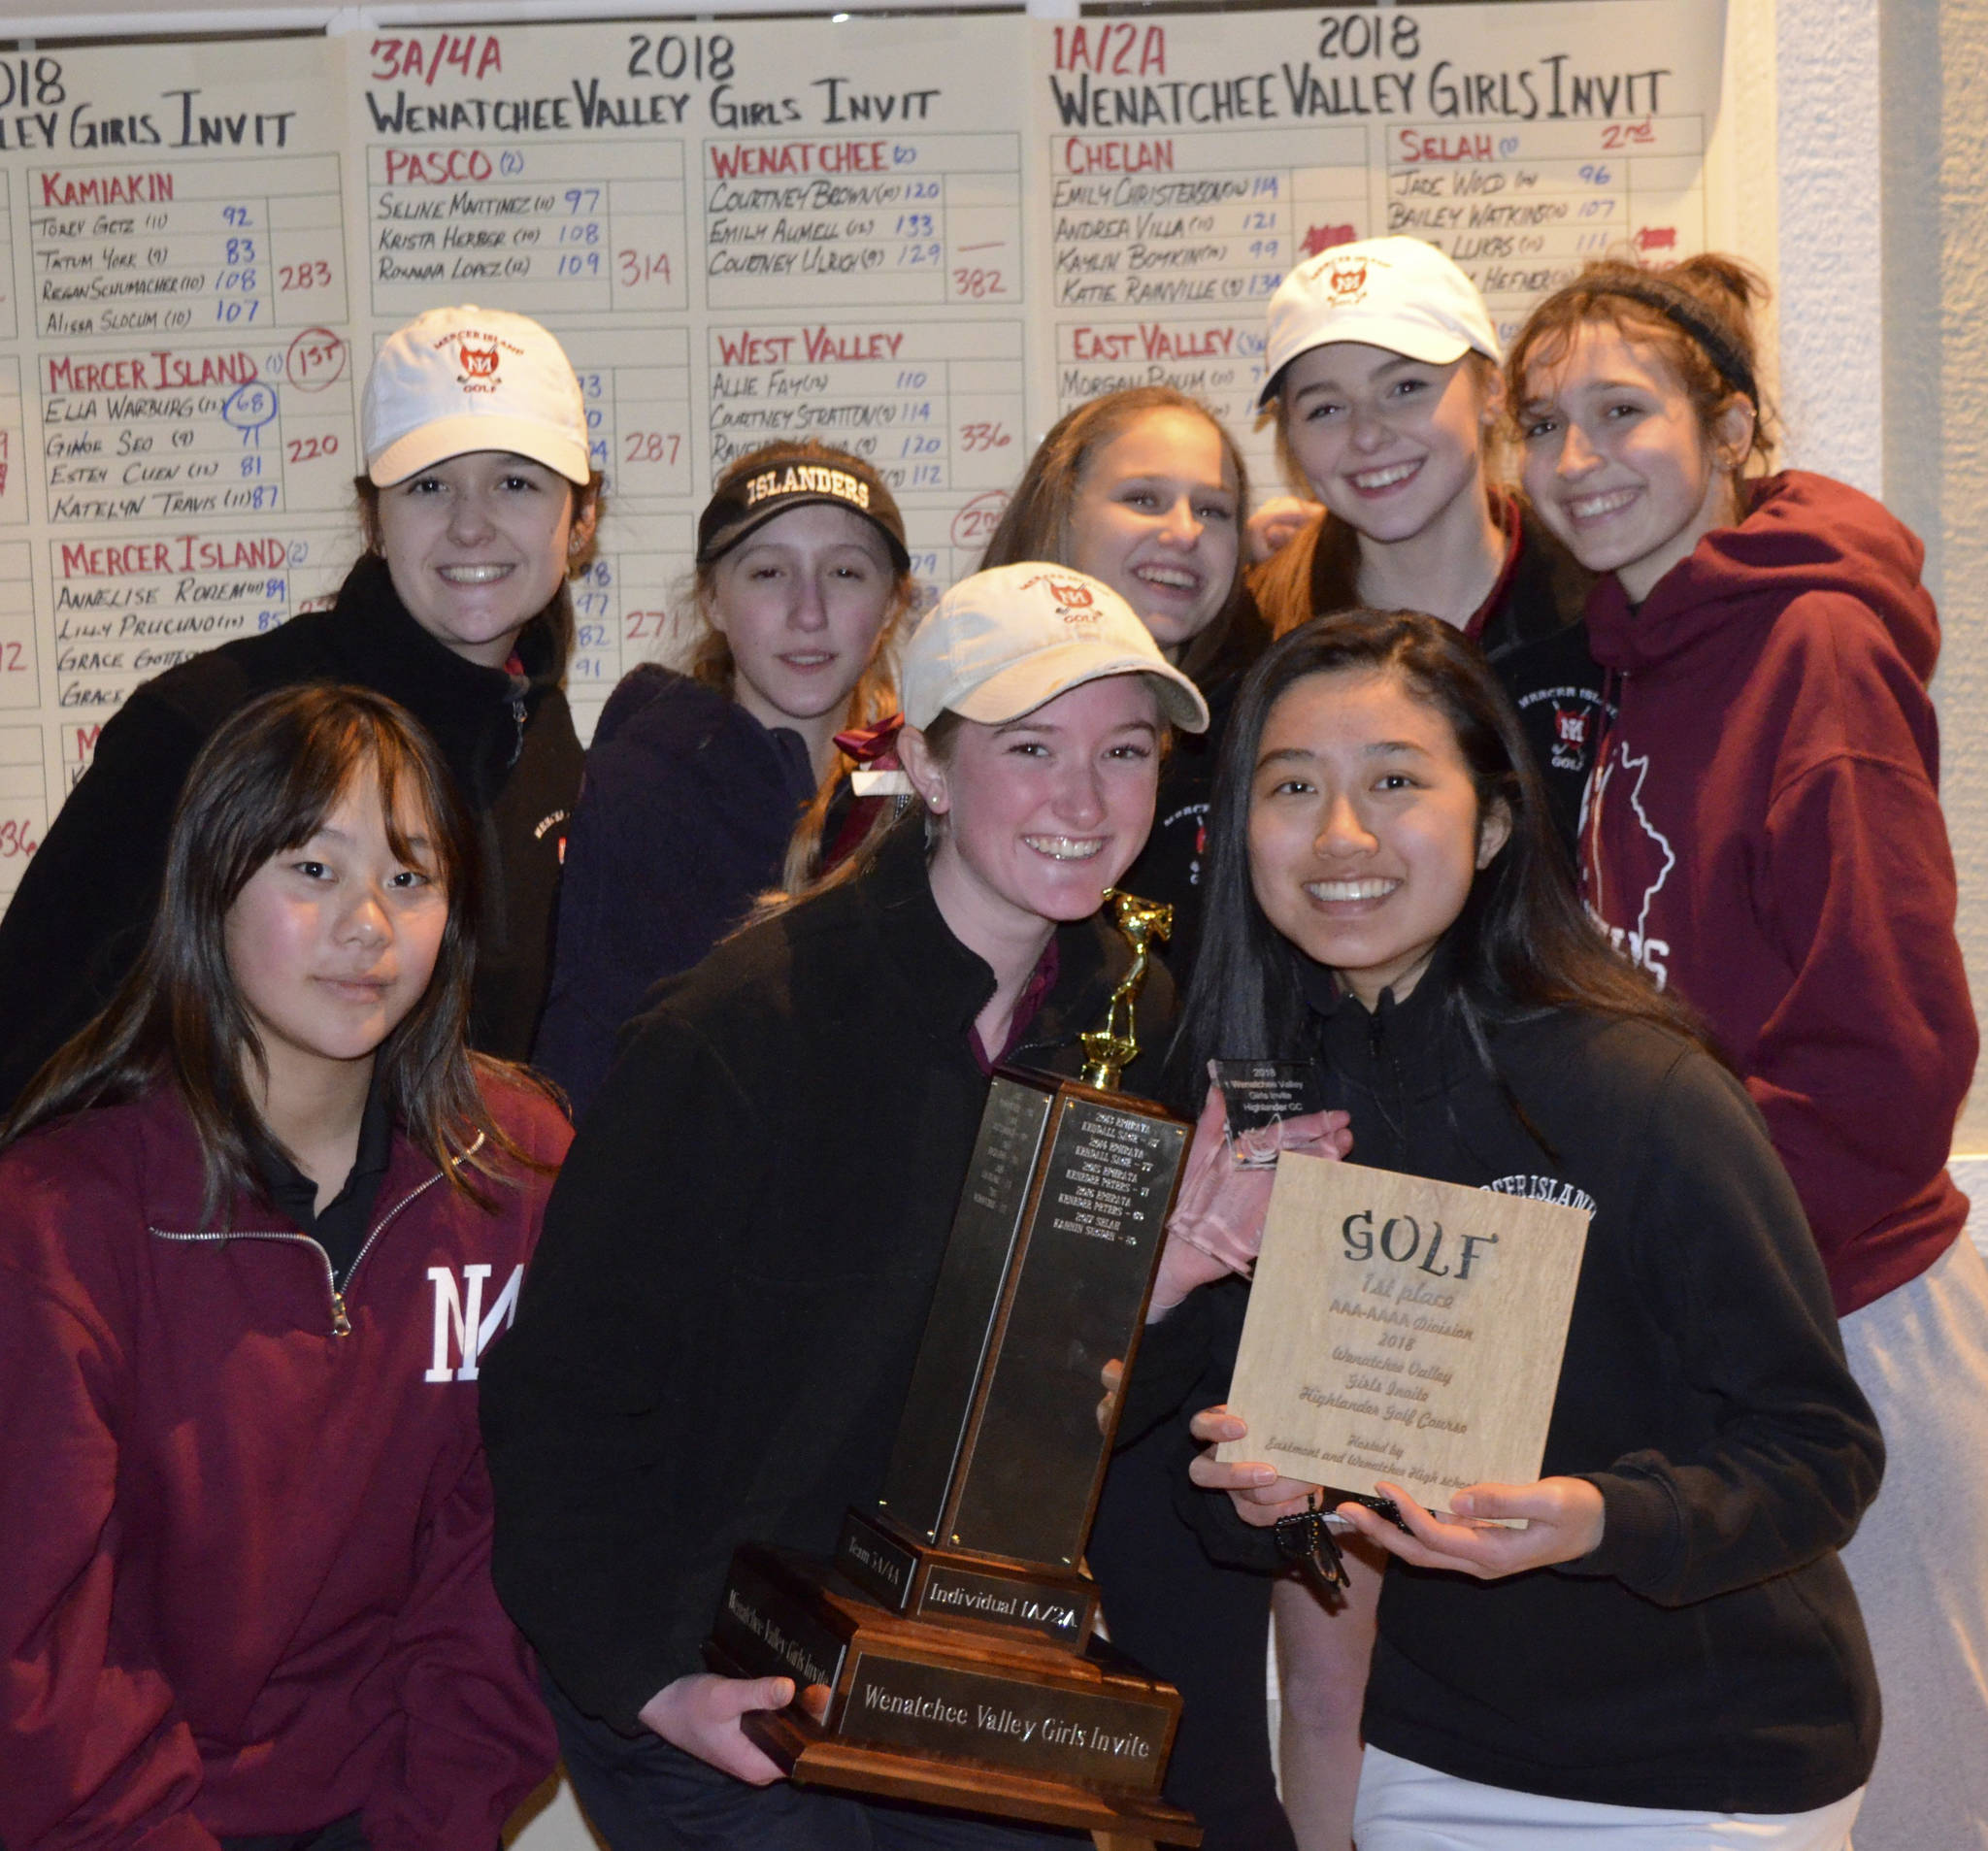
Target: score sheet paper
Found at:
x=1404, y=1329
x=920, y=238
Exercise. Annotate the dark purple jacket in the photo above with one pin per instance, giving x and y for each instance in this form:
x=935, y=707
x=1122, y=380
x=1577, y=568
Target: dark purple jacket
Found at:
x=682, y=822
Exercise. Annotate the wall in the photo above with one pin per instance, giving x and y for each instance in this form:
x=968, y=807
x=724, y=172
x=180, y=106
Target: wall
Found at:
x=1882, y=164
x=1934, y=65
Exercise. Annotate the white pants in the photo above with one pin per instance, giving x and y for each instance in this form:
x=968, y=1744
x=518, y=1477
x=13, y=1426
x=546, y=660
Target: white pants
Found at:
x=1405, y=1806
x=1919, y=1560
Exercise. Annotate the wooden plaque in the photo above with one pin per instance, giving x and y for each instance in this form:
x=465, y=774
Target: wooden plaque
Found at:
x=1404, y=1329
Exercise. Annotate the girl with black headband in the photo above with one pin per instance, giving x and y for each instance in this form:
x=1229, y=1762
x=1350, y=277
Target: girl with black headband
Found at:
x=1764, y=835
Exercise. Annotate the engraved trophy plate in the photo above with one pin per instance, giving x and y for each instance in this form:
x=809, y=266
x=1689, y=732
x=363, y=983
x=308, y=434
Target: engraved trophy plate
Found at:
x=1037, y=1459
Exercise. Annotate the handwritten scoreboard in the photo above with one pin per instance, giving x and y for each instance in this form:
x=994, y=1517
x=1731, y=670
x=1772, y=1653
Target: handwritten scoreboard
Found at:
x=922, y=239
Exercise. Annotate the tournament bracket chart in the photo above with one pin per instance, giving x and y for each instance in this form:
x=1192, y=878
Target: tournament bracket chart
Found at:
x=1192, y=161
x=187, y=249
x=635, y=385
x=937, y=407
x=539, y=227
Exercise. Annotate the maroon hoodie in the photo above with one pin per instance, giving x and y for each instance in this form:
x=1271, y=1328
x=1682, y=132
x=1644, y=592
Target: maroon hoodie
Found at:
x=1764, y=833
x=244, y=1559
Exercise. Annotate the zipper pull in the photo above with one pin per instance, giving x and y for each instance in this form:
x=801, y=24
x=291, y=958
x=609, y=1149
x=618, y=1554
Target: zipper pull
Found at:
x=340, y=1324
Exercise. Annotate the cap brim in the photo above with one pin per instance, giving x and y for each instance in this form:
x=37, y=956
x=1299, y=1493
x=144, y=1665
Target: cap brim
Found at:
x=726, y=538
x=446, y=437
x=1025, y=685
x=1431, y=346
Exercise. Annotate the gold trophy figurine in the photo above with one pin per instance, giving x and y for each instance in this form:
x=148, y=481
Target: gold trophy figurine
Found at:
x=1110, y=1049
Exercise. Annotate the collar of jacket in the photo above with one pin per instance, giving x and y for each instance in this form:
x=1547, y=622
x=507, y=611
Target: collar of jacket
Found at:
x=655, y=709
x=172, y=1183
x=472, y=711
x=1539, y=594
x=935, y=965
x=1412, y=1043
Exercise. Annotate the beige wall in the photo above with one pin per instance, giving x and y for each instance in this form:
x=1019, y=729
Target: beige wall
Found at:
x=1934, y=65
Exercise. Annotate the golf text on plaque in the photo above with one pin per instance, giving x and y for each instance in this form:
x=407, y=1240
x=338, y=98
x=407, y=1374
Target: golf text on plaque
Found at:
x=952, y=1633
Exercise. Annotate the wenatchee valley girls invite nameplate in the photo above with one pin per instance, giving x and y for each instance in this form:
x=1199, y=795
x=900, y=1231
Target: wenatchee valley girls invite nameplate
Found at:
x=1404, y=1329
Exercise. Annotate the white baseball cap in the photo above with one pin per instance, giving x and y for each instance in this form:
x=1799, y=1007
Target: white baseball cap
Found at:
x=470, y=379
x=1000, y=644
x=1398, y=293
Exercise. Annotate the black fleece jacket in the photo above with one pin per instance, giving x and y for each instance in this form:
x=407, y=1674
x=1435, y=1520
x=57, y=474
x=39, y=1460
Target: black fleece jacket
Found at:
x=716, y=1335
x=85, y=903
x=1709, y=1653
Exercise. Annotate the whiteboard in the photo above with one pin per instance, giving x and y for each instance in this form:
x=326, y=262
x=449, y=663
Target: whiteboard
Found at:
x=920, y=236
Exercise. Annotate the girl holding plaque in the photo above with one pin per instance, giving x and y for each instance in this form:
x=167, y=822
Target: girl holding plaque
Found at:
x=255, y=1223
x=1765, y=837
x=1144, y=491
x=477, y=505
x=1382, y=370
x=694, y=782
x=1669, y=1653
x=717, y=1336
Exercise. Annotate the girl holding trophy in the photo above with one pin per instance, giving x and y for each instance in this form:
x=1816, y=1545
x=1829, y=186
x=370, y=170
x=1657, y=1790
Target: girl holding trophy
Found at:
x=717, y=1340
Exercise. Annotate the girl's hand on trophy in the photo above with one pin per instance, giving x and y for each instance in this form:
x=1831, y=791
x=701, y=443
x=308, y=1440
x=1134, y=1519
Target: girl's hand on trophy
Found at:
x=701, y=1714
x=1112, y=1375
x=1260, y=1494
x=1564, y=1521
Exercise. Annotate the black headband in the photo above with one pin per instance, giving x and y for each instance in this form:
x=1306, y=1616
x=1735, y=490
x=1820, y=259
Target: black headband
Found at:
x=1681, y=310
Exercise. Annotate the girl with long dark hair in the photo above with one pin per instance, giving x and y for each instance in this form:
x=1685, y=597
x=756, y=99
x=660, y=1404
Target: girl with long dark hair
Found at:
x=1668, y=1654
x=1381, y=373
x=257, y=1222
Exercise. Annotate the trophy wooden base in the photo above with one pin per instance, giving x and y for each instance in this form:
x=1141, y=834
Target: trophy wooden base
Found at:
x=1007, y=1725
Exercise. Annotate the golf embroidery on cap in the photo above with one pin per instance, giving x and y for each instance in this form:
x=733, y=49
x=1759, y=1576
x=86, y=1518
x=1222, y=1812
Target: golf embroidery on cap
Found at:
x=1346, y=278
x=1074, y=595
x=479, y=355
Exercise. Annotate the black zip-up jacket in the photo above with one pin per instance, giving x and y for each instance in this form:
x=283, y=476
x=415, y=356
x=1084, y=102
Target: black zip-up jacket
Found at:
x=716, y=1335
x=684, y=822
x=86, y=902
x=1708, y=1654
